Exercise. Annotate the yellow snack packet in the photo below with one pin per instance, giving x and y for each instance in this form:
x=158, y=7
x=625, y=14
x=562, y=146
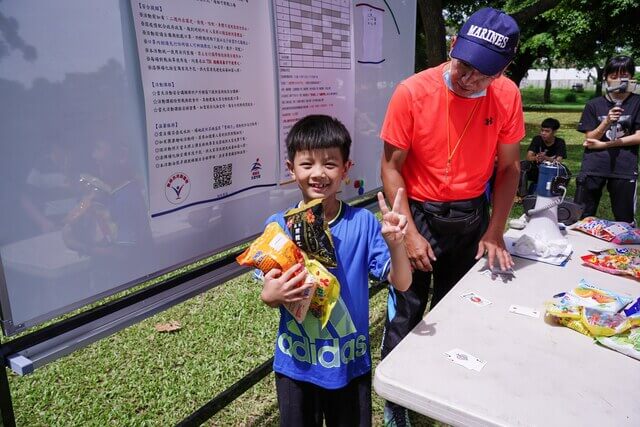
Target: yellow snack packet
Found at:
x=326, y=293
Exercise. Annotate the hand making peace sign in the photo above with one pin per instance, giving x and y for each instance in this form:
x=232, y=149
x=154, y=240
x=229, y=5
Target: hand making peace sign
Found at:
x=394, y=224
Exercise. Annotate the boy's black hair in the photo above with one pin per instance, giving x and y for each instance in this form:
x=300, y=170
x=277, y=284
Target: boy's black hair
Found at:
x=316, y=132
x=620, y=62
x=550, y=123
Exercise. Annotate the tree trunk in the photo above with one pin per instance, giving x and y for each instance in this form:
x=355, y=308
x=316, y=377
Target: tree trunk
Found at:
x=547, y=86
x=599, y=77
x=434, y=31
x=519, y=67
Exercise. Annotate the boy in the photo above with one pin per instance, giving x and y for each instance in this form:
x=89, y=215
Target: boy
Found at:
x=544, y=147
x=326, y=373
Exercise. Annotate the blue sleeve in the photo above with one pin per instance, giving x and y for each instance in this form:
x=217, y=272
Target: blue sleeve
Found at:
x=379, y=257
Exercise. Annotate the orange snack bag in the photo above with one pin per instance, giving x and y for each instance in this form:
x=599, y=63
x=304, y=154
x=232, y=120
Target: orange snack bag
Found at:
x=273, y=249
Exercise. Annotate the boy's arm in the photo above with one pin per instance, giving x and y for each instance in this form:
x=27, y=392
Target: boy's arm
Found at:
x=394, y=227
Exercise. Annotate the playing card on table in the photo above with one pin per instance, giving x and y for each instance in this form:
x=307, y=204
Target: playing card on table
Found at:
x=526, y=311
x=475, y=299
x=469, y=361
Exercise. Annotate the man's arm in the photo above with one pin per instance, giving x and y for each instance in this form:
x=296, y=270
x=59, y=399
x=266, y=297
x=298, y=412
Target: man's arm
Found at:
x=506, y=183
x=612, y=116
x=531, y=156
x=625, y=141
x=418, y=249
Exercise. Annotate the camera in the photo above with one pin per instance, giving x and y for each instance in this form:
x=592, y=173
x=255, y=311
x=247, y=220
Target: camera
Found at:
x=622, y=86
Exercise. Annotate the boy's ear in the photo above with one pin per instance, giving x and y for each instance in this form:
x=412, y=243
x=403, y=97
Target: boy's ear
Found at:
x=290, y=167
x=347, y=166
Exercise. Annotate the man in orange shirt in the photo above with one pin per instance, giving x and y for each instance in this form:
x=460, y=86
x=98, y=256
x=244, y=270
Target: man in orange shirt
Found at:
x=442, y=133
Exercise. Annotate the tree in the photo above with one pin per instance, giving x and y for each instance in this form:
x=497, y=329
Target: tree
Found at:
x=580, y=32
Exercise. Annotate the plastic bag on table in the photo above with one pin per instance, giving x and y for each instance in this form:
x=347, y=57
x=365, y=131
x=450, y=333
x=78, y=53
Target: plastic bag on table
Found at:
x=619, y=261
x=620, y=233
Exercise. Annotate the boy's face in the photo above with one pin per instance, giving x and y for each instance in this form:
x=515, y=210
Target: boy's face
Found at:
x=319, y=173
x=547, y=134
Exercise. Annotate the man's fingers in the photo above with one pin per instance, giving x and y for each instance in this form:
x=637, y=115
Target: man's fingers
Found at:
x=397, y=202
x=384, y=209
x=423, y=264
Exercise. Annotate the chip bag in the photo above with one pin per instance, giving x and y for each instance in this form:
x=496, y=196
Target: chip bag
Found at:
x=620, y=233
x=620, y=261
x=593, y=311
x=310, y=231
x=626, y=343
x=273, y=249
x=326, y=293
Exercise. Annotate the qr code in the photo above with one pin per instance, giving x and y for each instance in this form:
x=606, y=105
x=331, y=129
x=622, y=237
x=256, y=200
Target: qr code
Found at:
x=222, y=175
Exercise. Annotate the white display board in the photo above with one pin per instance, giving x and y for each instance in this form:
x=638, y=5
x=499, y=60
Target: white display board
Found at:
x=142, y=135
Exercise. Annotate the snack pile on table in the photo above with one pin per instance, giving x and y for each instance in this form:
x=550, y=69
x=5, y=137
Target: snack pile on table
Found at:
x=612, y=319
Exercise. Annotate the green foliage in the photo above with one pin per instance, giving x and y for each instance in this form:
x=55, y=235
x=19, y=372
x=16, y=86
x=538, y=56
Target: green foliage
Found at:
x=533, y=98
x=570, y=97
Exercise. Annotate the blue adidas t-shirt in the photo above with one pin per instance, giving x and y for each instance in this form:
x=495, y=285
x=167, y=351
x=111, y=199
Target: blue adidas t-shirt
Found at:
x=333, y=356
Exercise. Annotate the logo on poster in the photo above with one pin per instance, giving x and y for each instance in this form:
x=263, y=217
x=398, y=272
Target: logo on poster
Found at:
x=255, y=169
x=177, y=189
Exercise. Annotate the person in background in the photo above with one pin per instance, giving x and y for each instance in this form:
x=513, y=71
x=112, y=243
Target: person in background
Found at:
x=545, y=147
x=442, y=133
x=334, y=383
x=611, y=124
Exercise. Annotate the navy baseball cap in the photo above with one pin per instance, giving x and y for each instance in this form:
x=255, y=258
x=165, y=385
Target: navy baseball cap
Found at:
x=487, y=41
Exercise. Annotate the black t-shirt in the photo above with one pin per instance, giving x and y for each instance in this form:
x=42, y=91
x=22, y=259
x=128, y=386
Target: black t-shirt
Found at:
x=558, y=148
x=615, y=162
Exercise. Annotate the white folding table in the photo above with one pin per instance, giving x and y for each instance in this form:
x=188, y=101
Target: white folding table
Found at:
x=537, y=373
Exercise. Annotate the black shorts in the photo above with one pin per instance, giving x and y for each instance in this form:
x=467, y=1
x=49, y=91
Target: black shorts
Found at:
x=305, y=404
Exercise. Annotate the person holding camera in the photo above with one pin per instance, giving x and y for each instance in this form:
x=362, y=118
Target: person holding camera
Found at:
x=611, y=124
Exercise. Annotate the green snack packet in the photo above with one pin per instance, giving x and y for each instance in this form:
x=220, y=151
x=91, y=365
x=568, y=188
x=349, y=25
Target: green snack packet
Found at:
x=310, y=232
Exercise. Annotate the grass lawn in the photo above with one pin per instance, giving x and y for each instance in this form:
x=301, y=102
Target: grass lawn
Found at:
x=140, y=377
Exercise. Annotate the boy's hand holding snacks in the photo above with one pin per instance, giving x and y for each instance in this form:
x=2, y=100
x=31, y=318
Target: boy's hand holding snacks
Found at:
x=394, y=224
x=290, y=286
x=292, y=277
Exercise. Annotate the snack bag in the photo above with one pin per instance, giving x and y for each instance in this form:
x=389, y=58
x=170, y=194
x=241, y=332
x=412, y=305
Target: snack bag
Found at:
x=299, y=309
x=620, y=261
x=604, y=324
x=626, y=343
x=326, y=293
x=564, y=307
x=589, y=296
x=620, y=233
x=273, y=249
x=310, y=231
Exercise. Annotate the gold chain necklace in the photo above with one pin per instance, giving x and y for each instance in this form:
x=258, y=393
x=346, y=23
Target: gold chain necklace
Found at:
x=450, y=152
